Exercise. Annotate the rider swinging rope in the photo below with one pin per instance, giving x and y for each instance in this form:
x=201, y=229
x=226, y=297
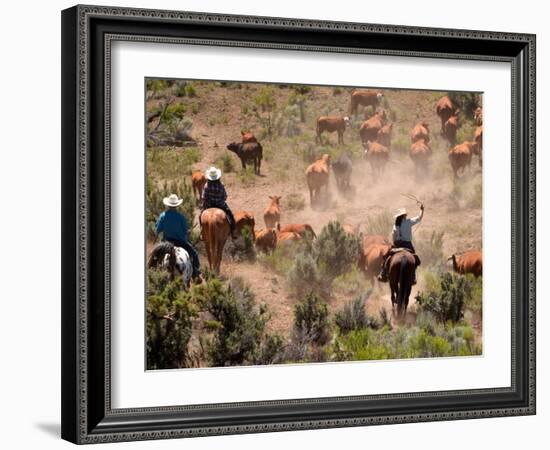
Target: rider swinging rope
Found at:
x=402, y=238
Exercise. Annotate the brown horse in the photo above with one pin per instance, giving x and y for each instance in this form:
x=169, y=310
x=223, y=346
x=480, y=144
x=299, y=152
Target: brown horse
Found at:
x=401, y=275
x=215, y=231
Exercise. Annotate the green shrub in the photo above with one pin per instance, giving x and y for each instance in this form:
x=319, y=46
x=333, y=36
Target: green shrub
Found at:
x=155, y=193
x=242, y=249
x=335, y=251
x=238, y=325
x=311, y=318
x=353, y=316
x=190, y=90
x=303, y=276
x=170, y=316
x=156, y=86
x=447, y=303
x=225, y=162
x=474, y=302
x=271, y=350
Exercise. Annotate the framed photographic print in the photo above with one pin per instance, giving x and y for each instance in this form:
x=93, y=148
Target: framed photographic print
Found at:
x=280, y=224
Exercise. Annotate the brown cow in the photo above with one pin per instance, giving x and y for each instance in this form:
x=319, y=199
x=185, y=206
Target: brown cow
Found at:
x=198, y=180
x=287, y=237
x=247, y=137
x=420, y=131
x=215, y=231
x=332, y=124
x=468, y=262
x=317, y=175
x=384, y=135
x=378, y=156
x=460, y=156
x=373, y=260
x=272, y=214
x=303, y=229
x=367, y=243
x=445, y=109
x=370, y=128
x=364, y=98
x=449, y=129
x=478, y=138
x=478, y=115
x=244, y=219
x=420, y=154
x=265, y=239
x=249, y=152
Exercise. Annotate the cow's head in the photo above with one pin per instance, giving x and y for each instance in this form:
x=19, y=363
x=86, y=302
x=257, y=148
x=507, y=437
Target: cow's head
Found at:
x=451, y=262
x=234, y=147
x=379, y=96
x=326, y=158
x=275, y=199
x=347, y=121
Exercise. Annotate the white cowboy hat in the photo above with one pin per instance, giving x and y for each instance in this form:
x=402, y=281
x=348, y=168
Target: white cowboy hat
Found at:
x=400, y=212
x=172, y=200
x=213, y=174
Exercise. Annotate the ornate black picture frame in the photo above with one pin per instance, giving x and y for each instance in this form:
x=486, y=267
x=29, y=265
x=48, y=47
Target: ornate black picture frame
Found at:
x=87, y=34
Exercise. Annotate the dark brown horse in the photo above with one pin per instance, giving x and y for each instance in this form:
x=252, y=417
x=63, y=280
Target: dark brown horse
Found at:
x=215, y=231
x=401, y=275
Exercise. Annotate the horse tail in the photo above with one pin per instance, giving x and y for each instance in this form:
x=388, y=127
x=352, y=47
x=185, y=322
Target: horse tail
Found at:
x=404, y=281
x=158, y=253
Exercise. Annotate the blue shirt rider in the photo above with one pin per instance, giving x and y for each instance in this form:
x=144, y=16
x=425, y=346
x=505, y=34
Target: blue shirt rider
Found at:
x=173, y=226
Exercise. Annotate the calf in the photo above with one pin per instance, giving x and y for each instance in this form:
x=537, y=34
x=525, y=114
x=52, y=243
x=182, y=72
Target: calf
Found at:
x=248, y=152
x=445, y=109
x=449, y=129
x=420, y=154
x=384, y=135
x=303, y=229
x=272, y=214
x=342, y=168
x=198, y=180
x=317, y=176
x=468, y=262
x=364, y=98
x=287, y=237
x=460, y=156
x=332, y=124
x=370, y=128
x=265, y=240
x=378, y=156
x=420, y=131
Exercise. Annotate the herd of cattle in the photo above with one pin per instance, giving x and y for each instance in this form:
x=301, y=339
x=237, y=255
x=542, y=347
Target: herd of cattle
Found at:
x=375, y=134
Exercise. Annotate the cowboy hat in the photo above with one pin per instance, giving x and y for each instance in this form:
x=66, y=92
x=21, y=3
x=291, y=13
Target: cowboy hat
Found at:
x=172, y=200
x=213, y=174
x=400, y=212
